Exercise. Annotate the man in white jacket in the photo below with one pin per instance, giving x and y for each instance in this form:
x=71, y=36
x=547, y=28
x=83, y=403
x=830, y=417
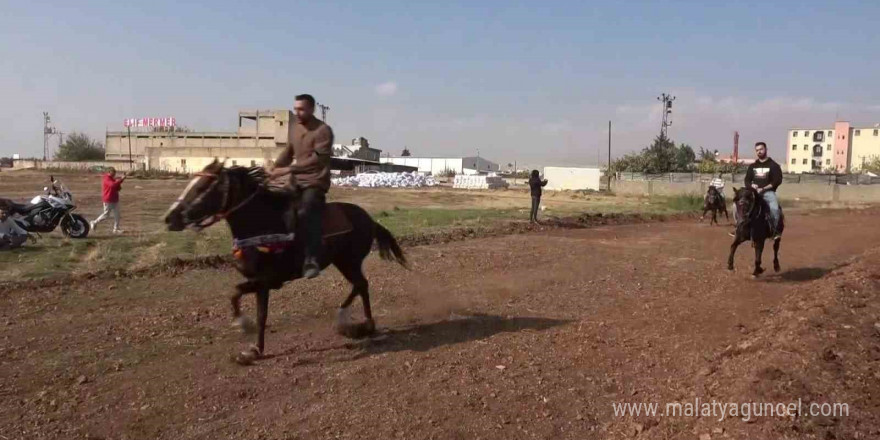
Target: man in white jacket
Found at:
x=11, y=235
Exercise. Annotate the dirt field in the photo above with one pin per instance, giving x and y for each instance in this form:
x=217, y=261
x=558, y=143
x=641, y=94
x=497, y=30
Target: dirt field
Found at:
x=522, y=336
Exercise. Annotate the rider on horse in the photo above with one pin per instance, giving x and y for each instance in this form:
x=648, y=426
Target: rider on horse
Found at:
x=765, y=176
x=311, y=144
x=718, y=184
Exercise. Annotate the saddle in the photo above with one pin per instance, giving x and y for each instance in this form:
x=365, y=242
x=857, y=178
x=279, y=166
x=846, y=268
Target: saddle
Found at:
x=334, y=222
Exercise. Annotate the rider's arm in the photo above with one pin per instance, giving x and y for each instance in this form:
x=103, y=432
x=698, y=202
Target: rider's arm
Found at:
x=775, y=177
x=282, y=163
x=750, y=174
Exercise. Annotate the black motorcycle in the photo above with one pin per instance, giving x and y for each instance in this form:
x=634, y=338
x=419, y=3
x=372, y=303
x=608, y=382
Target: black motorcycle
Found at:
x=48, y=211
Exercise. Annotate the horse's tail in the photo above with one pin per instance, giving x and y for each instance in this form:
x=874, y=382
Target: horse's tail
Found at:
x=389, y=249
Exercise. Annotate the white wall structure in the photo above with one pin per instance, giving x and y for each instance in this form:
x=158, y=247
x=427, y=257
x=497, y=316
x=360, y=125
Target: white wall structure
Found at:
x=436, y=165
x=562, y=178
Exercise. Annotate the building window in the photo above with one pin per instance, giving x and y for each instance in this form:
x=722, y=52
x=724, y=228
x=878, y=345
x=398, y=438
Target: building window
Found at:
x=794, y=134
x=234, y=163
x=827, y=161
x=829, y=133
x=793, y=147
x=858, y=132
x=806, y=134
x=805, y=161
x=876, y=131
x=254, y=163
x=828, y=147
x=793, y=161
x=183, y=164
x=806, y=147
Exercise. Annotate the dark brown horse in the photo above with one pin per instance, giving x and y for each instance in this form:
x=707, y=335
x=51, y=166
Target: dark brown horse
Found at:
x=754, y=224
x=266, y=255
x=715, y=203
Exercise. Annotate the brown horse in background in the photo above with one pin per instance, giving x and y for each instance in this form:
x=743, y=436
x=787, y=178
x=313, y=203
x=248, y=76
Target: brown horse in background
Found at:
x=715, y=203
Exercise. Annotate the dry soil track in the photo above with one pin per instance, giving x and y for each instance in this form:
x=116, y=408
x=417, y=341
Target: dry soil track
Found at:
x=523, y=336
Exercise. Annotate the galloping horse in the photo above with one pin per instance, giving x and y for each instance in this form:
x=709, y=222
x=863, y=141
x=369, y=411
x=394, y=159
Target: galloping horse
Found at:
x=265, y=253
x=715, y=203
x=754, y=224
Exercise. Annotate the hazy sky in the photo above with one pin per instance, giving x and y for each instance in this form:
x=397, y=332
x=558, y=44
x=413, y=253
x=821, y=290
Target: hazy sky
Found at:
x=531, y=81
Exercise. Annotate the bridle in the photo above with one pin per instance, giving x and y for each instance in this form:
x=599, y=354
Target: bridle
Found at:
x=224, y=211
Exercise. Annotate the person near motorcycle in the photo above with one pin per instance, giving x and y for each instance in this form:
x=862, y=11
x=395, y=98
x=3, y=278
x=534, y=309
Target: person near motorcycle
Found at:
x=11, y=235
x=110, y=196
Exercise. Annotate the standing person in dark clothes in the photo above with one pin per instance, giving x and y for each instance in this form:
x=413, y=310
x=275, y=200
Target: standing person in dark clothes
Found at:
x=765, y=176
x=311, y=147
x=536, y=185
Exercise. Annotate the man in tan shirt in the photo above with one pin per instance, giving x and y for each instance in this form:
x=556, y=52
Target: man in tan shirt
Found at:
x=312, y=147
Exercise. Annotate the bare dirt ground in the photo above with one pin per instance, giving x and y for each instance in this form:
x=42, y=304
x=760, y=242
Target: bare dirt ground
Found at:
x=521, y=336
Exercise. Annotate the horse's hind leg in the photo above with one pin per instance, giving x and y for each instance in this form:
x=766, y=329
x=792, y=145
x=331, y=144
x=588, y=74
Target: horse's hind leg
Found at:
x=360, y=287
x=776, y=255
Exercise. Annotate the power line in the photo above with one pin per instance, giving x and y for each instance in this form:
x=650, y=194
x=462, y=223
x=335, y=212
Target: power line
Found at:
x=324, y=109
x=667, y=112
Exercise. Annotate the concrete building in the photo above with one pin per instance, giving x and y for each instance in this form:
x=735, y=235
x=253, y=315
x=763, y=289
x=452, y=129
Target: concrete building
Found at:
x=260, y=138
x=437, y=165
x=841, y=149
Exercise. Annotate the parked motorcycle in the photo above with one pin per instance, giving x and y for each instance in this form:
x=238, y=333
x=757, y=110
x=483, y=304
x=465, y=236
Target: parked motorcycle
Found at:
x=48, y=211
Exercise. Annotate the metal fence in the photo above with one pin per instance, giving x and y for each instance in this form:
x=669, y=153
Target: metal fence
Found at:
x=829, y=179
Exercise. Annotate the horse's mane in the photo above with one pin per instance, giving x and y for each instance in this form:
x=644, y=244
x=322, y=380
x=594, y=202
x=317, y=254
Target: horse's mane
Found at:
x=255, y=175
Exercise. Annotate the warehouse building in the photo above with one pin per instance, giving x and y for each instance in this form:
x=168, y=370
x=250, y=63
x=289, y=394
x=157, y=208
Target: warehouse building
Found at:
x=438, y=166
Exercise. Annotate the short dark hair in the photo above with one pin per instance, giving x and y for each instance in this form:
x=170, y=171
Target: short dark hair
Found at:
x=535, y=173
x=111, y=170
x=307, y=98
x=764, y=144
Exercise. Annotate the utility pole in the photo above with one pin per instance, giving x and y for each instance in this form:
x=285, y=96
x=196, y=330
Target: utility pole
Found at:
x=667, y=112
x=48, y=131
x=608, y=173
x=324, y=109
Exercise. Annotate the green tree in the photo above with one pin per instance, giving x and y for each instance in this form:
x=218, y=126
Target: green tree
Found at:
x=685, y=158
x=660, y=155
x=80, y=147
x=871, y=165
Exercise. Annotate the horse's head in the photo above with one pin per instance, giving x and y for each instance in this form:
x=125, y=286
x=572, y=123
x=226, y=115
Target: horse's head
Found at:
x=744, y=198
x=203, y=198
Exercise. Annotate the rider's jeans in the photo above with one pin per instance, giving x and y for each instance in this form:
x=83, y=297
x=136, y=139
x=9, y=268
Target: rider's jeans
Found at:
x=773, y=204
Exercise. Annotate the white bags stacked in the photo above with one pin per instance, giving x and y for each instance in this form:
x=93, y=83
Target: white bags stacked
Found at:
x=479, y=182
x=386, y=180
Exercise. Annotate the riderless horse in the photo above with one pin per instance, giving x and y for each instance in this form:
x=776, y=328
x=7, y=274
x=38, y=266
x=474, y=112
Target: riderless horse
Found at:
x=266, y=254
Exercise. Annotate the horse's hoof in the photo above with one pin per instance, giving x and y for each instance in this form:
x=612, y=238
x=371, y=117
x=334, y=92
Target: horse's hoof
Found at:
x=358, y=331
x=248, y=356
x=730, y=267
x=245, y=324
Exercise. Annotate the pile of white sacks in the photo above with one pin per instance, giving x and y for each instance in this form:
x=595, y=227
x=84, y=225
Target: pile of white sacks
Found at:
x=386, y=180
x=479, y=182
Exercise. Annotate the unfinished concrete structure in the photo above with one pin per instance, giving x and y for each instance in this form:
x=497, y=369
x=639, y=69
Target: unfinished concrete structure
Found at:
x=260, y=137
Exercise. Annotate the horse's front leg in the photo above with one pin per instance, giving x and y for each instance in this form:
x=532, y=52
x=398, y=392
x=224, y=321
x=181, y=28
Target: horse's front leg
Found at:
x=714, y=217
x=736, y=242
x=262, y=315
x=246, y=325
x=776, y=255
x=759, y=251
x=703, y=216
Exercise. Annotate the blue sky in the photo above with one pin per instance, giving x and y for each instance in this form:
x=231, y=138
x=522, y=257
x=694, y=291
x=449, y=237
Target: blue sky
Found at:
x=528, y=81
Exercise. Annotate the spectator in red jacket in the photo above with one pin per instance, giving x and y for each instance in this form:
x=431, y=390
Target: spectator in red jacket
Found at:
x=110, y=196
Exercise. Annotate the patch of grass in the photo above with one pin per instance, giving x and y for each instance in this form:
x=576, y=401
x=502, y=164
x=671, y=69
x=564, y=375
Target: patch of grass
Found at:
x=683, y=203
x=409, y=221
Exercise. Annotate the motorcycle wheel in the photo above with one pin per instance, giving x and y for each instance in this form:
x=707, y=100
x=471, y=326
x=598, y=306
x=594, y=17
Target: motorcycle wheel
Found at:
x=75, y=226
